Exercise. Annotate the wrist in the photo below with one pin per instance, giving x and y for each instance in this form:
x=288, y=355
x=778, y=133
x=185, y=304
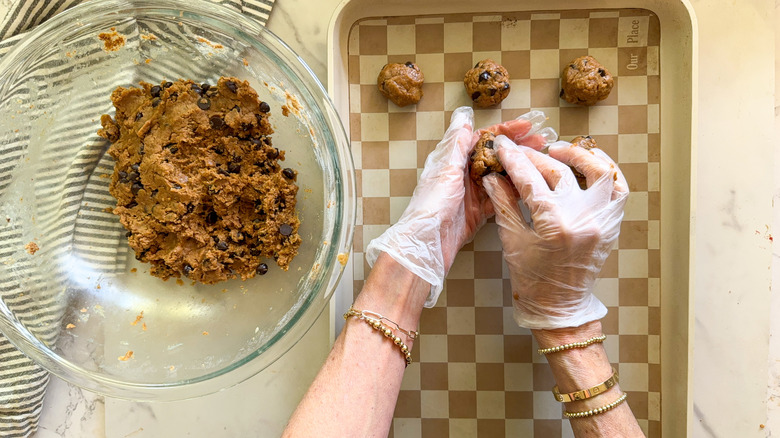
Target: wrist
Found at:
x=577, y=368
x=394, y=292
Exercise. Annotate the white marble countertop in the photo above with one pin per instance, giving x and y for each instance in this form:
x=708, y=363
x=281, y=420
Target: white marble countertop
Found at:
x=734, y=380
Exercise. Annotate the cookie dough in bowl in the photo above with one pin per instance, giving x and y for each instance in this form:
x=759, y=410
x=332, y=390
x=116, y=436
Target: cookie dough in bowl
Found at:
x=111, y=326
x=198, y=181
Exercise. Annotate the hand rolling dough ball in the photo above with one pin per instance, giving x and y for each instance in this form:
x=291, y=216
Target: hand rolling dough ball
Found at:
x=584, y=81
x=484, y=159
x=587, y=142
x=401, y=83
x=487, y=83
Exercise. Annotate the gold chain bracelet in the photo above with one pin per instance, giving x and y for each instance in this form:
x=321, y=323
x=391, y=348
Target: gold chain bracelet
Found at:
x=583, y=344
x=375, y=321
x=597, y=411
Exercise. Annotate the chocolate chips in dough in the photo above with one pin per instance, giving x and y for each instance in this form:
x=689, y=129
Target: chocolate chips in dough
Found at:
x=198, y=182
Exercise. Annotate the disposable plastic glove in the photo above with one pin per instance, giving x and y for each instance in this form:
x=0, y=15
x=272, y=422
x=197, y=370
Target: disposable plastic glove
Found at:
x=555, y=258
x=447, y=208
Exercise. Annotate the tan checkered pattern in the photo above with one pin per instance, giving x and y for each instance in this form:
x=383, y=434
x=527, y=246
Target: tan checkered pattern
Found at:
x=475, y=373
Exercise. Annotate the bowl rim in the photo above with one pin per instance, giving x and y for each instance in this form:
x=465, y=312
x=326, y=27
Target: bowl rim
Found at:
x=344, y=180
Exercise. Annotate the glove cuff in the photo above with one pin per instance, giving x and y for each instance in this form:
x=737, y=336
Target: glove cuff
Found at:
x=591, y=309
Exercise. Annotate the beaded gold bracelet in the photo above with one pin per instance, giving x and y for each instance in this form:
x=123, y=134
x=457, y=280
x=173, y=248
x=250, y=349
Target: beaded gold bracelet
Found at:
x=583, y=344
x=596, y=411
x=586, y=393
x=375, y=321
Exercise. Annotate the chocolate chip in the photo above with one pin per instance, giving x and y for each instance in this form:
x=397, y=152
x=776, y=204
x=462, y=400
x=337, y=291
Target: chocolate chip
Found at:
x=176, y=186
x=205, y=87
x=141, y=150
x=173, y=96
x=216, y=122
x=204, y=103
x=190, y=208
x=285, y=230
x=273, y=154
x=262, y=269
x=128, y=234
x=236, y=108
x=506, y=86
x=493, y=91
x=572, y=66
x=122, y=176
x=133, y=176
x=154, y=192
x=168, y=84
x=138, y=116
x=477, y=64
x=288, y=173
x=174, y=150
x=264, y=107
x=409, y=64
x=234, y=168
x=588, y=137
x=484, y=76
x=155, y=91
x=196, y=88
x=602, y=72
x=187, y=269
x=489, y=144
x=222, y=246
x=476, y=95
x=212, y=217
x=135, y=166
x=222, y=171
x=136, y=187
x=131, y=204
x=561, y=93
x=155, y=102
x=236, y=159
x=219, y=150
x=231, y=86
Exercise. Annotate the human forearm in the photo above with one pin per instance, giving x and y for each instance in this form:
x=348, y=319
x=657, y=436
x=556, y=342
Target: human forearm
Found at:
x=580, y=368
x=355, y=392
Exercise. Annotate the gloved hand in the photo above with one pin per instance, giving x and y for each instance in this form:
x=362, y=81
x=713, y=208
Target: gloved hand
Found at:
x=447, y=208
x=555, y=258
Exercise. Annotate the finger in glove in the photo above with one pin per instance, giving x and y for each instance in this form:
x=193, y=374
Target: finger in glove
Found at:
x=594, y=163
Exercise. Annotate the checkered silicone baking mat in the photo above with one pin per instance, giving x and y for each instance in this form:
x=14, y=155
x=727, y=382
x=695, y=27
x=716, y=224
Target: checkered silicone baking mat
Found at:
x=475, y=373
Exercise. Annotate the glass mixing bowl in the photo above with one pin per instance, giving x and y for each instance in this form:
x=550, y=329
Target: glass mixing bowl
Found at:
x=82, y=302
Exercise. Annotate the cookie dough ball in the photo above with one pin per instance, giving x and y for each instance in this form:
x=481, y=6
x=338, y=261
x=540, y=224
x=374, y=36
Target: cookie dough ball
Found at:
x=585, y=81
x=401, y=83
x=487, y=83
x=484, y=160
x=588, y=143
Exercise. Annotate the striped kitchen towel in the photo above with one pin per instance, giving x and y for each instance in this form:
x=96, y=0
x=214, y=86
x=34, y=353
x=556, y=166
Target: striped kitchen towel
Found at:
x=60, y=196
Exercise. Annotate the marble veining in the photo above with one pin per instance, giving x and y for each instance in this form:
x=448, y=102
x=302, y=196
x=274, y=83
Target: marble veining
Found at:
x=701, y=426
